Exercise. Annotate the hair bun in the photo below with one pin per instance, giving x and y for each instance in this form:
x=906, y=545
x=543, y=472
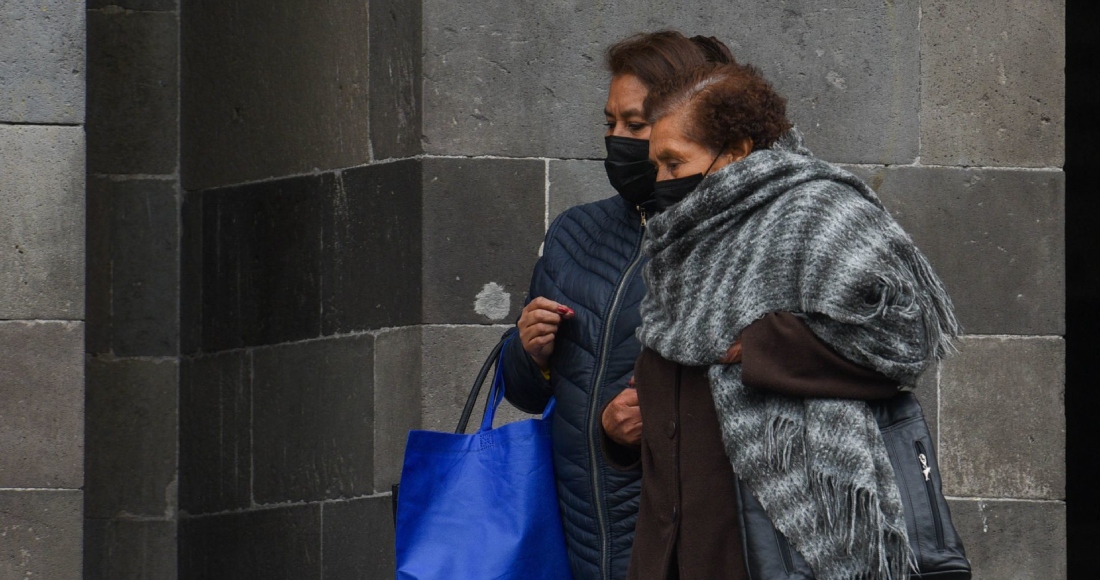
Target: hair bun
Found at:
x=714, y=50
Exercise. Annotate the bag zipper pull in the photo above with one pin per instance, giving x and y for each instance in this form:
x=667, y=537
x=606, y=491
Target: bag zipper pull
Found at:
x=927, y=471
x=641, y=212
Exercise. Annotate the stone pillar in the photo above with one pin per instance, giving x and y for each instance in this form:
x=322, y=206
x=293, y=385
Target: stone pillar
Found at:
x=133, y=290
x=301, y=284
x=42, y=149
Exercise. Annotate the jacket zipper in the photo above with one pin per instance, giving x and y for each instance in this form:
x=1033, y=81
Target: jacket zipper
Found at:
x=926, y=470
x=593, y=405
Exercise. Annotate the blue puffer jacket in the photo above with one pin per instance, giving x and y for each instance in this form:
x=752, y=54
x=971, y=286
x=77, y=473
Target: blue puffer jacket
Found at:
x=591, y=261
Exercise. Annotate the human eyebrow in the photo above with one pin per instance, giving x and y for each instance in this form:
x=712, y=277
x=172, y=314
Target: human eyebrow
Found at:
x=630, y=113
x=607, y=113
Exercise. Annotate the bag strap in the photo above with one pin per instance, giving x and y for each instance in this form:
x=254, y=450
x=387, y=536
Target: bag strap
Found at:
x=471, y=399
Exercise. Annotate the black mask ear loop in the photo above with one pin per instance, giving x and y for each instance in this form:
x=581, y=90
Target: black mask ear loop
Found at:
x=721, y=150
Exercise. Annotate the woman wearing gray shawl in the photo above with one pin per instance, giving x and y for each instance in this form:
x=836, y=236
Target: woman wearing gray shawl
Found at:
x=762, y=245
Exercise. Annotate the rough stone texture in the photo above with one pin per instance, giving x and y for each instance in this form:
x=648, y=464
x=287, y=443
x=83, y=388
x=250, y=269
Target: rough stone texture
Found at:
x=270, y=89
x=313, y=420
x=133, y=92
x=42, y=62
x=41, y=219
x=397, y=370
x=573, y=182
x=133, y=241
x=131, y=437
x=1012, y=539
x=359, y=539
x=282, y=542
x=146, y=5
x=97, y=276
x=41, y=533
x=42, y=404
x=483, y=223
x=395, y=78
x=372, y=249
x=215, y=433
x=129, y=550
x=530, y=80
x=261, y=261
x=995, y=236
x=992, y=83
x=1002, y=422
x=452, y=357
x=191, y=259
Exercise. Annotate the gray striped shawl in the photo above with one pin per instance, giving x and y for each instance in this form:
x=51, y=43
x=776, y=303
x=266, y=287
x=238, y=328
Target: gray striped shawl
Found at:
x=781, y=231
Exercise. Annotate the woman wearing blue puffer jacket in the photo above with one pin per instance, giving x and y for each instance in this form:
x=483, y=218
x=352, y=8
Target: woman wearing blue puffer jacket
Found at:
x=575, y=339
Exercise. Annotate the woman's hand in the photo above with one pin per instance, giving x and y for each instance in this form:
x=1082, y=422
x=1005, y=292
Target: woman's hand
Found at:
x=622, y=418
x=733, y=355
x=538, y=324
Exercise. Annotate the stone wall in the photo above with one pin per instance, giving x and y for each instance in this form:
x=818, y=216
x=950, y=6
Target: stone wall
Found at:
x=42, y=149
x=301, y=289
x=953, y=112
x=133, y=334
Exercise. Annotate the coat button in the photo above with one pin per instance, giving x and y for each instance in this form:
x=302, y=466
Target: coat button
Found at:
x=671, y=428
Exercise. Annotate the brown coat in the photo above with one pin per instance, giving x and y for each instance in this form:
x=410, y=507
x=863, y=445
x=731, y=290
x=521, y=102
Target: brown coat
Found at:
x=688, y=519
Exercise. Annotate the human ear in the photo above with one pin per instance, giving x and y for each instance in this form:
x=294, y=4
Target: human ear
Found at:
x=739, y=149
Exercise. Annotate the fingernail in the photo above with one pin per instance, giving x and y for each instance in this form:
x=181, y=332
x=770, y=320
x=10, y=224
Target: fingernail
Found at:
x=564, y=310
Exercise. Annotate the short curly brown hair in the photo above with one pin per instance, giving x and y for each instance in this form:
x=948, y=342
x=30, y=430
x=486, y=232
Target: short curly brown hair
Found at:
x=724, y=104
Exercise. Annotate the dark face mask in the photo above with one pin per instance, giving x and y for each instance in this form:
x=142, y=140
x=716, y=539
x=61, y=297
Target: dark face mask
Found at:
x=629, y=170
x=672, y=191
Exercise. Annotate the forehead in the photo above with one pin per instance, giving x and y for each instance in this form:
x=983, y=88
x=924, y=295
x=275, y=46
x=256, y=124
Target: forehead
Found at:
x=667, y=133
x=627, y=92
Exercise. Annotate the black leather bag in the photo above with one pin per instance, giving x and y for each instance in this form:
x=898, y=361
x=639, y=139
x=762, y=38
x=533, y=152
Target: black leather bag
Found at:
x=935, y=543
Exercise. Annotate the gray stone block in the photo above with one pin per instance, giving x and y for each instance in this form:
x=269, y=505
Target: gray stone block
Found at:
x=1012, y=539
x=282, y=542
x=216, y=433
x=131, y=438
x=133, y=92
x=992, y=83
x=480, y=274
x=530, y=81
x=395, y=78
x=269, y=89
x=97, y=275
x=190, y=323
x=261, y=262
x=372, y=249
x=397, y=371
x=42, y=62
x=42, y=534
x=1002, y=418
x=995, y=237
x=42, y=404
x=129, y=550
x=573, y=182
x=41, y=222
x=313, y=420
x=452, y=357
x=141, y=265
x=145, y=5
x=359, y=539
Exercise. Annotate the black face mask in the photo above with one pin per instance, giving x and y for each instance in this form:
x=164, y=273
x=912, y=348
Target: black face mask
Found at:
x=672, y=191
x=629, y=170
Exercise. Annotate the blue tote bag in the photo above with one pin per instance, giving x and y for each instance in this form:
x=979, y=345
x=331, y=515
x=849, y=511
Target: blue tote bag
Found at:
x=481, y=506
